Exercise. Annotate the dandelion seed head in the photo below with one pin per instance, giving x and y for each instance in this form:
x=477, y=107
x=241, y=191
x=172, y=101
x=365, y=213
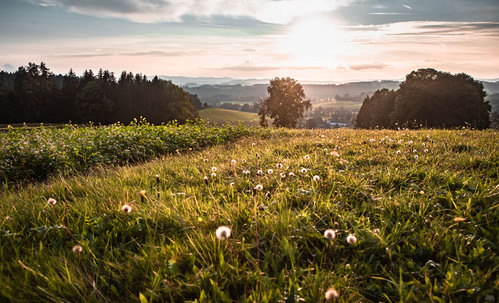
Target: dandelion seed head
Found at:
x=231, y=184
x=306, y=157
x=372, y=140
x=246, y=172
x=279, y=165
x=317, y=178
x=233, y=162
x=303, y=170
x=77, y=249
x=330, y=234
x=331, y=295
x=258, y=187
x=270, y=171
x=283, y=175
x=213, y=169
x=259, y=172
x=291, y=174
x=126, y=208
x=9, y=218
x=416, y=157
x=351, y=239
x=253, y=144
x=51, y=201
x=398, y=151
x=425, y=150
x=223, y=233
x=205, y=160
x=213, y=175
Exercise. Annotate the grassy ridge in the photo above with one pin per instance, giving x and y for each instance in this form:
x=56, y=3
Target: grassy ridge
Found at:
x=423, y=206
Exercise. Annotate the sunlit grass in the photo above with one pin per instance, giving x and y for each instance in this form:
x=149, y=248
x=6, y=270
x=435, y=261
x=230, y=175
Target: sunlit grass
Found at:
x=426, y=227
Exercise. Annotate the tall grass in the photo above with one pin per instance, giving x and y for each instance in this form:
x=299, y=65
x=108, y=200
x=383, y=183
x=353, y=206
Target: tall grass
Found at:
x=426, y=226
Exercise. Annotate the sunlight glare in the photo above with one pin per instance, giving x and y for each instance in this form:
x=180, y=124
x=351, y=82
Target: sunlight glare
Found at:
x=317, y=41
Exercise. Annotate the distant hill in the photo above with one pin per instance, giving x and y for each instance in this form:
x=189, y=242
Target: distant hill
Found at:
x=354, y=91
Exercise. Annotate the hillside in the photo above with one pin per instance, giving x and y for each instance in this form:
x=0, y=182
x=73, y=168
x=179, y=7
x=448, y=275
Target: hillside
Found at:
x=221, y=116
x=259, y=216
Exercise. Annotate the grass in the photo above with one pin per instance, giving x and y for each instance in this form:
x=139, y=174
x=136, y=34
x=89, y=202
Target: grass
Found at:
x=426, y=227
x=221, y=116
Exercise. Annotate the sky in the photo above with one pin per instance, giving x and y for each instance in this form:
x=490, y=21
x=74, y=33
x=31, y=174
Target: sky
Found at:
x=309, y=40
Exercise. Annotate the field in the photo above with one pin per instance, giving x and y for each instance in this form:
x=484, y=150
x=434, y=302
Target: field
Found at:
x=221, y=116
x=390, y=216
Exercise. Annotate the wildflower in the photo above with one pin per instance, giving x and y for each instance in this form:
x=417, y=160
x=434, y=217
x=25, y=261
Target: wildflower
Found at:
x=331, y=295
x=283, y=175
x=415, y=151
x=200, y=219
x=8, y=218
x=279, y=165
x=303, y=170
x=205, y=179
x=223, y=233
x=291, y=174
x=126, y=208
x=351, y=239
x=231, y=184
x=416, y=157
x=334, y=153
x=410, y=142
x=246, y=172
x=329, y=234
x=372, y=140
x=253, y=144
x=51, y=201
x=459, y=219
x=325, y=150
x=306, y=157
x=270, y=172
x=376, y=231
x=205, y=160
x=213, y=175
x=425, y=150
x=213, y=169
x=398, y=151
x=258, y=187
x=259, y=172
x=317, y=178
x=77, y=249
x=244, y=160
x=142, y=193
x=233, y=162
x=157, y=178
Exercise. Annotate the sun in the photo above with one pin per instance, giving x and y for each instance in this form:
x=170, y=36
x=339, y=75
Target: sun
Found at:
x=315, y=41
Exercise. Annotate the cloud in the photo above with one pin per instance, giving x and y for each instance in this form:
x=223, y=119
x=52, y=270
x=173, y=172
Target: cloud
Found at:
x=152, y=11
x=250, y=66
x=366, y=65
x=162, y=53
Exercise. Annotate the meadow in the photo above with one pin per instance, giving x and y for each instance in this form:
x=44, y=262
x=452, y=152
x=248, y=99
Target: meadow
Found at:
x=307, y=216
x=220, y=116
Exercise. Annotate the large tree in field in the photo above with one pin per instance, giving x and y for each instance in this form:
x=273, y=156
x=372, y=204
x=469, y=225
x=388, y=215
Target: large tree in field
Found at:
x=437, y=99
x=285, y=104
x=375, y=111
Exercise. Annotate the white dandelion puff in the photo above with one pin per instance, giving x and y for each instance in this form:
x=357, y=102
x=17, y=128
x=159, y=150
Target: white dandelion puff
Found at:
x=329, y=234
x=351, y=239
x=213, y=169
x=306, y=157
x=51, y=201
x=77, y=249
x=331, y=295
x=259, y=172
x=279, y=165
x=303, y=170
x=291, y=174
x=317, y=178
x=233, y=162
x=126, y=208
x=283, y=175
x=258, y=187
x=270, y=171
x=223, y=233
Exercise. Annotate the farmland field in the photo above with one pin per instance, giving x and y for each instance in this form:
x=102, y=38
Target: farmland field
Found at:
x=390, y=216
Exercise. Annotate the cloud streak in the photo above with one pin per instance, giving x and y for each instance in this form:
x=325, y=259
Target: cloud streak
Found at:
x=152, y=11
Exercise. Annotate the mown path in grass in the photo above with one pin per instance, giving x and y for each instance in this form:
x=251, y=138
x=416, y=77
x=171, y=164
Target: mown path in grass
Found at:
x=419, y=210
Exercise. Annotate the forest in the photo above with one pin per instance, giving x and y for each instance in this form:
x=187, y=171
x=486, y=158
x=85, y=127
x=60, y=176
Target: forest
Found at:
x=34, y=94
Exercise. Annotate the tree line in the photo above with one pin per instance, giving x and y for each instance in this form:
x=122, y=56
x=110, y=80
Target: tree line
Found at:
x=37, y=95
x=428, y=98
